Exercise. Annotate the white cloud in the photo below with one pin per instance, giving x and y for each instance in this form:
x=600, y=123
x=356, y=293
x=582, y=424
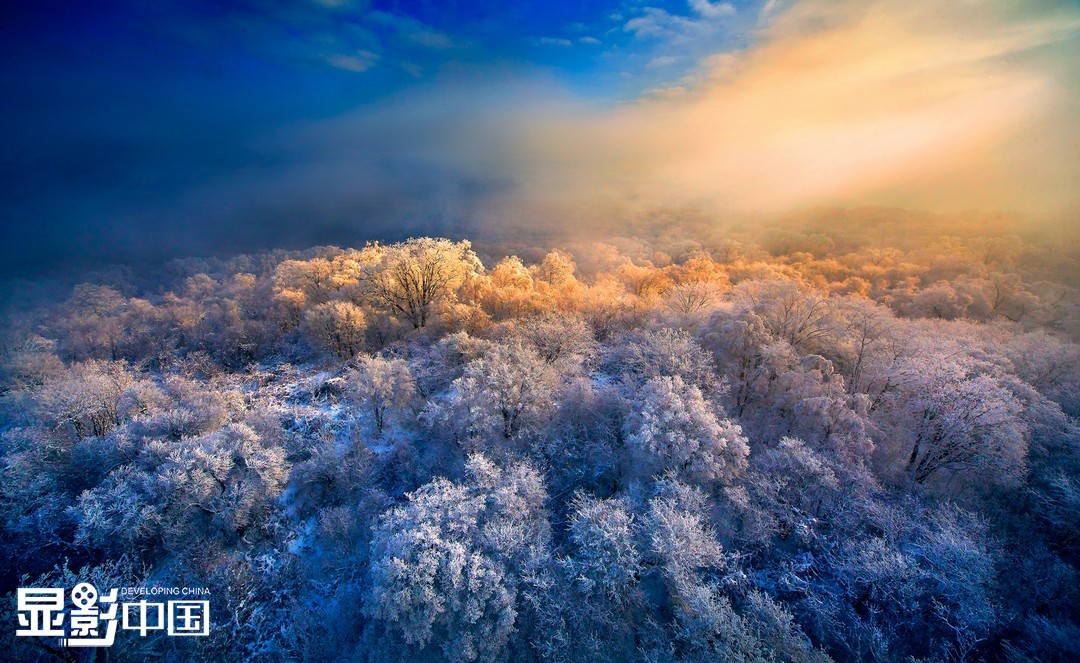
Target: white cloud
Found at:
x=413, y=31
x=429, y=38
x=359, y=63
x=708, y=21
x=662, y=61
x=771, y=7
x=553, y=41
x=712, y=10
x=671, y=92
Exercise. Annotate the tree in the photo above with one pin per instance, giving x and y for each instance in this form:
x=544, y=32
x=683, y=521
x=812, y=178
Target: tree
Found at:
x=923, y=590
x=556, y=270
x=30, y=364
x=674, y=429
x=791, y=487
x=564, y=342
x=336, y=326
x=693, y=297
x=447, y=564
x=602, y=598
x=680, y=540
x=1050, y=364
x=606, y=558
x=666, y=352
x=939, y=300
x=508, y=290
x=868, y=328
x=229, y=477
x=314, y=281
x=808, y=400
x=790, y=311
x=505, y=392
x=382, y=385
x=410, y=278
x=699, y=283
x=435, y=367
x=85, y=397
x=94, y=326
x=961, y=422
x=556, y=287
x=748, y=355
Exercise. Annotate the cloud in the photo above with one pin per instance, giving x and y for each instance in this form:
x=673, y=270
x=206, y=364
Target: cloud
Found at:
x=666, y=92
x=333, y=32
x=553, y=41
x=707, y=19
x=701, y=29
x=412, y=30
x=662, y=61
x=430, y=38
x=771, y=7
x=654, y=22
x=919, y=104
x=360, y=62
x=836, y=104
x=708, y=9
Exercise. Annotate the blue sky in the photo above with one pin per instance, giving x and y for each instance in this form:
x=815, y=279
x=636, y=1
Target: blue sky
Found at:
x=141, y=130
x=305, y=57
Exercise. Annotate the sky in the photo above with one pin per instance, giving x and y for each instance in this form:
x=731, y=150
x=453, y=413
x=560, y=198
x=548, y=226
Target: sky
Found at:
x=134, y=132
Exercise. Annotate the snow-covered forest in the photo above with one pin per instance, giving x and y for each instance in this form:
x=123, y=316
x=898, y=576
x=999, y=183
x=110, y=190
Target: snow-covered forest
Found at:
x=838, y=440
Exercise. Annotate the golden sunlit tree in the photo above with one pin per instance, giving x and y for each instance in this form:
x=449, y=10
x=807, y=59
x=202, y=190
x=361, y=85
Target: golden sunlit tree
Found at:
x=412, y=277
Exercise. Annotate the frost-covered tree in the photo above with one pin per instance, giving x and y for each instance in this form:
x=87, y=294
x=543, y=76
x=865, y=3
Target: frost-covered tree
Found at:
x=665, y=352
x=85, y=398
x=94, y=326
x=868, y=328
x=922, y=592
x=693, y=297
x=960, y=422
x=503, y=393
x=790, y=311
x=508, y=290
x=312, y=282
x=566, y=343
x=606, y=559
x=748, y=356
x=410, y=278
x=382, y=386
x=175, y=428
x=228, y=479
x=675, y=429
x=446, y=566
x=337, y=327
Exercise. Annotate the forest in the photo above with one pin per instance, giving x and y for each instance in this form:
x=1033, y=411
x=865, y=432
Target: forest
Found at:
x=849, y=436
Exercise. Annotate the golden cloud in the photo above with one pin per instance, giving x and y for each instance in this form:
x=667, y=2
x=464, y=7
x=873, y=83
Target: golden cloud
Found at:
x=922, y=104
